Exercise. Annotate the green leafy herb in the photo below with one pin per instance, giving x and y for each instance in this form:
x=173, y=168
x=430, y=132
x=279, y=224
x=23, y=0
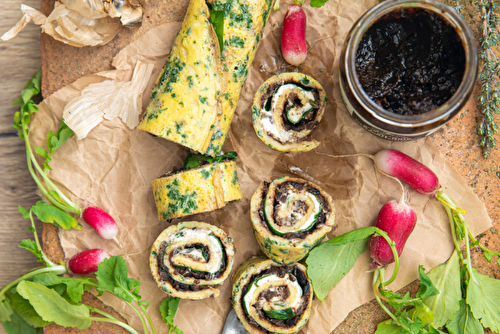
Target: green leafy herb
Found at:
x=195, y=160
x=483, y=297
x=329, y=262
x=52, y=307
x=50, y=214
x=25, y=310
x=32, y=247
x=22, y=118
x=318, y=3
x=446, y=278
x=282, y=314
x=17, y=325
x=168, y=308
x=74, y=287
x=463, y=321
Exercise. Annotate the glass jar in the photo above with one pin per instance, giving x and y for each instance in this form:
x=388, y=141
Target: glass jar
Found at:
x=388, y=124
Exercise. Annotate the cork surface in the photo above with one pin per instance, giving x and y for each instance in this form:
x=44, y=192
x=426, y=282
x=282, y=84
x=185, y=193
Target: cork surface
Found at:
x=457, y=140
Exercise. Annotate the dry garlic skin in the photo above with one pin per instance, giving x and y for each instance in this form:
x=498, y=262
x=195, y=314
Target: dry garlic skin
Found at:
x=191, y=259
x=286, y=109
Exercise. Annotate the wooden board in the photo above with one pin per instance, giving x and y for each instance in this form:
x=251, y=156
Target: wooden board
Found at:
x=19, y=59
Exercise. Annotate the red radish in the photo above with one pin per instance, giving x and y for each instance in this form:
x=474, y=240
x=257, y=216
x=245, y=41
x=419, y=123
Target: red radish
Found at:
x=399, y=165
x=87, y=261
x=293, y=35
x=397, y=219
x=408, y=170
x=100, y=221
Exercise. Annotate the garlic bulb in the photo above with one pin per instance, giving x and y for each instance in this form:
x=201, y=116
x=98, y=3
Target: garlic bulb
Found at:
x=82, y=22
x=108, y=99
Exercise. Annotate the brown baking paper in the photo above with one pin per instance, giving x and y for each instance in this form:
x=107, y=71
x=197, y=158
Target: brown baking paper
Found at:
x=113, y=168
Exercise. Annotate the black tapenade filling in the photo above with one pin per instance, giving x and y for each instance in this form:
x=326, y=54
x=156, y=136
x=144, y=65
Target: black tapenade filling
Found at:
x=410, y=61
x=325, y=208
x=280, y=271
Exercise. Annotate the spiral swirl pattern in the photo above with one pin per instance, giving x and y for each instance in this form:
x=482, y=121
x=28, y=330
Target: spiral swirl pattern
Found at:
x=286, y=110
x=289, y=217
x=190, y=259
x=271, y=298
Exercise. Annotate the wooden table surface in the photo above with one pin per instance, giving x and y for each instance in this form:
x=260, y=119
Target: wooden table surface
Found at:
x=20, y=59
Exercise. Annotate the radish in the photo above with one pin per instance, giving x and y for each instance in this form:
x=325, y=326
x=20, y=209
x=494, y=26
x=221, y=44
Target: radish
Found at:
x=398, y=219
x=101, y=221
x=410, y=171
x=405, y=168
x=293, y=35
x=87, y=261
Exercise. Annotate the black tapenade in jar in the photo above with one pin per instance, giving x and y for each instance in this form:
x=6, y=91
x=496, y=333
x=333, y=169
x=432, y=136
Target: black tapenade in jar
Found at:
x=407, y=67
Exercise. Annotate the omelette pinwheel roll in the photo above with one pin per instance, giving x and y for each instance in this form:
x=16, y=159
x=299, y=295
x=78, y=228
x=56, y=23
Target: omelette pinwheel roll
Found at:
x=271, y=298
x=286, y=109
x=191, y=259
x=195, y=96
x=205, y=186
x=289, y=217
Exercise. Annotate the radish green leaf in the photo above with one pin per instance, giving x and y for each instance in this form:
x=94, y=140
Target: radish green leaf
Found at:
x=483, y=297
x=168, y=308
x=446, y=278
x=52, y=307
x=25, y=310
x=50, y=214
x=464, y=322
x=17, y=325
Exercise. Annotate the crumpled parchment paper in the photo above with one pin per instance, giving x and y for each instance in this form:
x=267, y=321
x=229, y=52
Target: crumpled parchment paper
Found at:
x=113, y=168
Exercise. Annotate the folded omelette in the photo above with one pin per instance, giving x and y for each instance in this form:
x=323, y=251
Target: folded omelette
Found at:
x=195, y=96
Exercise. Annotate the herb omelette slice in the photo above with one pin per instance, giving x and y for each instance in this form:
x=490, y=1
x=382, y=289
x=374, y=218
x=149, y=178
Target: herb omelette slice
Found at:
x=184, y=102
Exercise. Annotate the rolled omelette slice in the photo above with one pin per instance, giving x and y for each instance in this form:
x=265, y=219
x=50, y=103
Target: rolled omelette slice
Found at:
x=286, y=109
x=244, y=22
x=289, y=217
x=189, y=260
x=185, y=104
x=205, y=188
x=271, y=298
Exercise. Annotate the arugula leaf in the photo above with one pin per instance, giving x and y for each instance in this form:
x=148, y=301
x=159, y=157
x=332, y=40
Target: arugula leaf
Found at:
x=427, y=289
x=446, y=278
x=25, y=310
x=75, y=287
x=50, y=214
x=168, y=308
x=389, y=327
x=18, y=325
x=423, y=313
x=318, y=3
x=329, y=262
x=52, y=307
x=54, y=141
x=463, y=321
x=283, y=314
x=112, y=277
x=194, y=160
x=5, y=309
x=31, y=246
x=483, y=297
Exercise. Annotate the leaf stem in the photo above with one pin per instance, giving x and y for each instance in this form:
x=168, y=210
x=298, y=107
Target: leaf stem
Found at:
x=112, y=321
x=67, y=205
x=57, y=269
x=140, y=315
x=392, y=244
x=45, y=258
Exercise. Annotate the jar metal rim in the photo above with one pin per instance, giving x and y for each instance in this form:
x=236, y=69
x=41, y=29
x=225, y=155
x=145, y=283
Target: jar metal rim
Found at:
x=443, y=111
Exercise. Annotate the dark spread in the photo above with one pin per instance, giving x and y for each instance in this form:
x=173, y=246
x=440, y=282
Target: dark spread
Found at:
x=410, y=61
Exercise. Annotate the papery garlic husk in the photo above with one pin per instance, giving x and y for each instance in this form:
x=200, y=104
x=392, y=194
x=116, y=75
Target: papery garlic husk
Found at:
x=108, y=99
x=128, y=12
x=71, y=27
x=81, y=22
x=29, y=14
